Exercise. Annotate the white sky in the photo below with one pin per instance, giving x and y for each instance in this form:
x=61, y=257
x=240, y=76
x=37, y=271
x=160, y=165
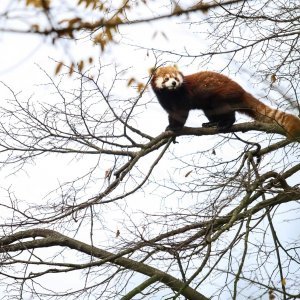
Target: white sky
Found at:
x=18, y=68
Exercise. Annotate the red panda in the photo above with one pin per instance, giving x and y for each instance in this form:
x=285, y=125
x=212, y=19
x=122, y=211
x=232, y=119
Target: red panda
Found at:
x=218, y=96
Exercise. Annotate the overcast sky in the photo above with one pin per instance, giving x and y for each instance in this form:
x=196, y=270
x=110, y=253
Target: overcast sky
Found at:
x=23, y=57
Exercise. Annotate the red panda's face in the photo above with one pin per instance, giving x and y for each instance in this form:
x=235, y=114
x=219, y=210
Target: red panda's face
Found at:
x=167, y=78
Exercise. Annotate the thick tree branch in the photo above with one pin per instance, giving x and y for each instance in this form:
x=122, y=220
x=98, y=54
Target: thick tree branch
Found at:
x=49, y=238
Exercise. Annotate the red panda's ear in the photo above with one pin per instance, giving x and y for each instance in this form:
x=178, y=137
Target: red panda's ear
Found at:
x=175, y=66
x=151, y=71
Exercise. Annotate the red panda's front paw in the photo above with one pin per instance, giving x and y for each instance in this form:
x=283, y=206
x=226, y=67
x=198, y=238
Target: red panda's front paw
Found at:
x=210, y=124
x=173, y=128
x=221, y=125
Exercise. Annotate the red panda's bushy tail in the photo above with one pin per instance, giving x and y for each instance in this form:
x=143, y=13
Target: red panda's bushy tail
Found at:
x=263, y=113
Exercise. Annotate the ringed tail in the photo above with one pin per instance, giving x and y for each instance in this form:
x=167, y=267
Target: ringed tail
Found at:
x=263, y=113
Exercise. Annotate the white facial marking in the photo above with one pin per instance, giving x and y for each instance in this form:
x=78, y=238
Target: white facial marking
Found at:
x=159, y=82
x=180, y=78
x=172, y=82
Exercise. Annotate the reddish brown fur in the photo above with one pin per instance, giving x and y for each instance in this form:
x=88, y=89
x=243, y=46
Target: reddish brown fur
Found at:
x=219, y=97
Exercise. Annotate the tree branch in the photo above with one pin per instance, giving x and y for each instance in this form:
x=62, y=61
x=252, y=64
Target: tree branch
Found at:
x=52, y=238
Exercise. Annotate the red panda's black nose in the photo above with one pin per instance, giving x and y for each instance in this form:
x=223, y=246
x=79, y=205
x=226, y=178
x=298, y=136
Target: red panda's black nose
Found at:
x=173, y=83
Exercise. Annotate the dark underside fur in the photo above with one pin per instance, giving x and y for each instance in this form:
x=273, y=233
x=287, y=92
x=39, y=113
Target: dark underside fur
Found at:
x=180, y=101
x=172, y=100
x=176, y=103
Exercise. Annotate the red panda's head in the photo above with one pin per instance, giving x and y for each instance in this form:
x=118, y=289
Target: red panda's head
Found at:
x=169, y=78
